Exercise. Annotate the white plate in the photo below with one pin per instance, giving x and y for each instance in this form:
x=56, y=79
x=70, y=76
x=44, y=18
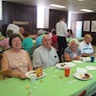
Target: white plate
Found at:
x=70, y=64
x=27, y=74
x=59, y=65
x=80, y=75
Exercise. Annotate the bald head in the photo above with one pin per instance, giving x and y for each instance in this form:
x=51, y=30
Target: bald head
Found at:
x=88, y=38
x=46, y=41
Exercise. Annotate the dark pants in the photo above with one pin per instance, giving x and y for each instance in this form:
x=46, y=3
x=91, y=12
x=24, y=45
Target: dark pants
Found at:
x=62, y=44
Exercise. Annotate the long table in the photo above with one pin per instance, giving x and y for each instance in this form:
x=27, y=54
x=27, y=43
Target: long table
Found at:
x=54, y=83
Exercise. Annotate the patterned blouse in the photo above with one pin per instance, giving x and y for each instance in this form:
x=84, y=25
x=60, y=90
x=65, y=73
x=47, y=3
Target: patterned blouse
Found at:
x=17, y=60
x=72, y=55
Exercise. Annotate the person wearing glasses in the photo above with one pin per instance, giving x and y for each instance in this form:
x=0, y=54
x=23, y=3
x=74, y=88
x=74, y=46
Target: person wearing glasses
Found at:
x=86, y=46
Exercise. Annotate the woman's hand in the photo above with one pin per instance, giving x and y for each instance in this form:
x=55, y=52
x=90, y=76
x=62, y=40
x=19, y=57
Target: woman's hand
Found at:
x=22, y=76
x=77, y=58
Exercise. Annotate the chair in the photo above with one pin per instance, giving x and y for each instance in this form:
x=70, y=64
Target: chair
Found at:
x=82, y=93
x=32, y=50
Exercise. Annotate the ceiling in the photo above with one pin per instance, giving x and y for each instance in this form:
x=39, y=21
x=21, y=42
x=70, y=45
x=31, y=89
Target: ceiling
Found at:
x=71, y=5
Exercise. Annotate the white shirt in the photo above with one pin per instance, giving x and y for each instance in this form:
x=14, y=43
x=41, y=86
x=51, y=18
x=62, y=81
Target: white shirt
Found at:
x=86, y=48
x=42, y=57
x=13, y=27
x=61, y=28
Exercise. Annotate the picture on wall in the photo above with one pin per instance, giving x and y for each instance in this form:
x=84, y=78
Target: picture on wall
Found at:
x=93, y=26
x=86, y=26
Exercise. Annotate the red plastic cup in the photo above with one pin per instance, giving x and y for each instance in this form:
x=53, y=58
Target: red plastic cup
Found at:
x=67, y=71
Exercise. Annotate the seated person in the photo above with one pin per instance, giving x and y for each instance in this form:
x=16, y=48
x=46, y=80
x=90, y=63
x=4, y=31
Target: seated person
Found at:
x=72, y=52
x=5, y=42
x=27, y=42
x=50, y=33
x=39, y=37
x=45, y=55
x=70, y=33
x=16, y=59
x=54, y=40
x=21, y=32
x=86, y=47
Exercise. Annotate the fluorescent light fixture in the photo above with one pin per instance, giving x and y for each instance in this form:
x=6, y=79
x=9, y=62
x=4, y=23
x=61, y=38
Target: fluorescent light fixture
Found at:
x=59, y=6
x=80, y=0
x=86, y=10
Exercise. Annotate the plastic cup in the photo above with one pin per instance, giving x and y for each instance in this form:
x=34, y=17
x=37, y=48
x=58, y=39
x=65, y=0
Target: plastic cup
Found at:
x=67, y=71
x=92, y=59
x=32, y=78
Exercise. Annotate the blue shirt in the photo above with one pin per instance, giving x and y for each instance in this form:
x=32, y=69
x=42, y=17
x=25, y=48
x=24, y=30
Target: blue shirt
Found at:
x=39, y=40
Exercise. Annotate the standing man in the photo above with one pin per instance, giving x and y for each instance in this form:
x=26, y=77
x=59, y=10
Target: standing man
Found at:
x=61, y=30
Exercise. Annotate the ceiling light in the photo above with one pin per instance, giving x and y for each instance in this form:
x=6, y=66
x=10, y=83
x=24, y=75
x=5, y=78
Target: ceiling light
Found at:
x=59, y=6
x=80, y=0
x=86, y=10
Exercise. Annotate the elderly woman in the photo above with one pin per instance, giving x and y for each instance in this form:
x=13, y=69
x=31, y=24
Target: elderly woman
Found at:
x=72, y=52
x=16, y=59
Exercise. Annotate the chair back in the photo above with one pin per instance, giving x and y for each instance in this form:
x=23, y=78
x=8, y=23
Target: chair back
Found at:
x=32, y=50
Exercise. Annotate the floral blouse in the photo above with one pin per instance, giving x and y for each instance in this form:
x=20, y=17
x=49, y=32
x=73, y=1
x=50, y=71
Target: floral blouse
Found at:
x=17, y=60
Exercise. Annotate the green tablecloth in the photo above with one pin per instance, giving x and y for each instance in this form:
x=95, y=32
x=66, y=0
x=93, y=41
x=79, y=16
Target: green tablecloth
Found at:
x=53, y=84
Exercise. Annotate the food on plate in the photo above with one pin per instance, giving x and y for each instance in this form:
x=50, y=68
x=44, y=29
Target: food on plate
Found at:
x=86, y=75
x=39, y=72
x=62, y=64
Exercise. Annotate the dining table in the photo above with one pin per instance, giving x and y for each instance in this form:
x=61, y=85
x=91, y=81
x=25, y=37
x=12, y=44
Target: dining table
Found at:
x=53, y=83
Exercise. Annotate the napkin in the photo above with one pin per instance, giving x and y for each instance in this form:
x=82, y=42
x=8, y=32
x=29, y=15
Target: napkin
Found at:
x=77, y=61
x=81, y=70
x=90, y=67
x=85, y=59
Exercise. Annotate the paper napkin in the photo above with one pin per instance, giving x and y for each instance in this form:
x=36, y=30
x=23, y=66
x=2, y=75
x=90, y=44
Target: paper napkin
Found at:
x=90, y=67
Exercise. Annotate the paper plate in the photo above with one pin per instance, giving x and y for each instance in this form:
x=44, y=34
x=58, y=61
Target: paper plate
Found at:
x=27, y=74
x=81, y=76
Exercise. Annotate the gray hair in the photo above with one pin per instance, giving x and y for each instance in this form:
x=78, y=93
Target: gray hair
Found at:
x=74, y=40
x=40, y=32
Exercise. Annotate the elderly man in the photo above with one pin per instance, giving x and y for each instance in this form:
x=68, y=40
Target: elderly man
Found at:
x=45, y=55
x=86, y=47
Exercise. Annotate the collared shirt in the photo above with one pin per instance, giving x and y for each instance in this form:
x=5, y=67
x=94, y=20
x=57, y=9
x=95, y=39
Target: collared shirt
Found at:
x=86, y=48
x=72, y=55
x=43, y=57
x=61, y=28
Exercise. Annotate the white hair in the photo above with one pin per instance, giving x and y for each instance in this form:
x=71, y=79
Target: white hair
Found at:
x=74, y=40
x=40, y=32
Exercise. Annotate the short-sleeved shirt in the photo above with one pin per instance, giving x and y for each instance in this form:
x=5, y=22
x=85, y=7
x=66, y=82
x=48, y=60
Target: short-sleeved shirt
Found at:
x=69, y=51
x=27, y=43
x=86, y=48
x=42, y=57
x=17, y=60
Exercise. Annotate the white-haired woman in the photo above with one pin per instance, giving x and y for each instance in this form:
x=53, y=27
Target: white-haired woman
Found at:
x=72, y=52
